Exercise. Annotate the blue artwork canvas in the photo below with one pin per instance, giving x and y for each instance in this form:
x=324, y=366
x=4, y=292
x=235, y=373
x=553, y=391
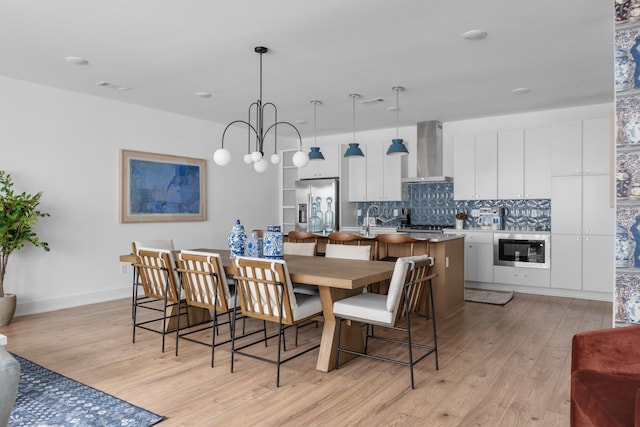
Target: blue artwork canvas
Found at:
x=164, y=188
x=159, y=188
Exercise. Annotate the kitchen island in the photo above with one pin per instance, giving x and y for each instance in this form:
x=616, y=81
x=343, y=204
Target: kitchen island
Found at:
x=448, y=251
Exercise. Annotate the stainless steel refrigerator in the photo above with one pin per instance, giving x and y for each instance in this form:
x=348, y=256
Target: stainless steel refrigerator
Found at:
x=318, y=204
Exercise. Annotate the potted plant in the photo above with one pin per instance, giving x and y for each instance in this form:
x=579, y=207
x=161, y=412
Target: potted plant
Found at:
x=18, y=217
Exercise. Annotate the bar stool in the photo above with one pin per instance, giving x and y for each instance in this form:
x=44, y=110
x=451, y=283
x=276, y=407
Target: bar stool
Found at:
x=384, y=240
x=393, y=240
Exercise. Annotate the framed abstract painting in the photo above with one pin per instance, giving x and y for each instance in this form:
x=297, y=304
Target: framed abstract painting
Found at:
x=161, y=188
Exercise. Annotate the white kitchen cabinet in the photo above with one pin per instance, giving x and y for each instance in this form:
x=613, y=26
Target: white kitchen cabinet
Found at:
x=537, y=163
x=566, y=204
x=598, y=216
x=597, y=264
x=486, y=155
x=475, y=166
x=376, y=176
x=566, y=261
x=511, y=164
x=582, y=222
x=581, y=205
x=392, y=176
x=464, y=169
x=566, y=148
x=327, y=168
x=478, y=256
x=539, y=277
x=581, y=147
x=375, y=173
x=596, y=146
x=358, y=177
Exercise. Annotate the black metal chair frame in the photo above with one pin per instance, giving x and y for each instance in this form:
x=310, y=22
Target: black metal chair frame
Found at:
x=213, y=325
x=410, y=344
x=279, y=334
x=138, y=303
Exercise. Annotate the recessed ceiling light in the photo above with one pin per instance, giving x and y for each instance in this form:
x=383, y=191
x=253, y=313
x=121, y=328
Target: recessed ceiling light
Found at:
x=76, y=60
x=521, y=90
x=474, y=35
x=112, y=86
x=203, y=94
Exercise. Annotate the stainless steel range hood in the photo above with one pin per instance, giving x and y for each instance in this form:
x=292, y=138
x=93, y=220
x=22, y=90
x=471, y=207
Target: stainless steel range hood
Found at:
x=429, y=153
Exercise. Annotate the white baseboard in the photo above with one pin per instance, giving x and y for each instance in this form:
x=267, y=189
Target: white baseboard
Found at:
x=553, y=292
x=51, y=304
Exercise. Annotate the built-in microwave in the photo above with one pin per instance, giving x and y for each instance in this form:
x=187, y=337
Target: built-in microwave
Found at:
x=521, y=250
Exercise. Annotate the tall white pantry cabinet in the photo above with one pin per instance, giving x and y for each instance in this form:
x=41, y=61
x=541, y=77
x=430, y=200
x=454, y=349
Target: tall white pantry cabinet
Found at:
x=582, y=212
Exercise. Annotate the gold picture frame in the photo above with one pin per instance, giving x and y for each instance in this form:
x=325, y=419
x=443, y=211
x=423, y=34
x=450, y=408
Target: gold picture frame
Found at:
x=161, y=188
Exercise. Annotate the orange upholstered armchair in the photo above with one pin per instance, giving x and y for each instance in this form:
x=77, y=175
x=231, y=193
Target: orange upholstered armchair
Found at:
x=605, y=378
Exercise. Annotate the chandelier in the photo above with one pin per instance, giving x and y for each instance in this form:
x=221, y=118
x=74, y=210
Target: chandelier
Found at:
x=256, y=127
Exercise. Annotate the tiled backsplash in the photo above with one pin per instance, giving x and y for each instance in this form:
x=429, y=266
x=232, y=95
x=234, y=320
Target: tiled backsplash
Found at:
x=432, y=203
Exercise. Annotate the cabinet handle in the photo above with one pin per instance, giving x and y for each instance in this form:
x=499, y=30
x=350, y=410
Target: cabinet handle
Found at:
x=577, y=170
x=587, y=170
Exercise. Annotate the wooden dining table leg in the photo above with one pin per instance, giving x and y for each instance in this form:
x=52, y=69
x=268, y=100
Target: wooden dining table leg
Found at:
x=352, y=335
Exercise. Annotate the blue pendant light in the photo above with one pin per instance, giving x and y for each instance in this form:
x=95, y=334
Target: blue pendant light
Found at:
x=354, y=150
x=315, y=153
x=397, y=147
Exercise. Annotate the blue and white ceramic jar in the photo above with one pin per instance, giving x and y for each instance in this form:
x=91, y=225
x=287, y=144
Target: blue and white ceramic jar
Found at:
x=253, y=246
x=273, y=242
x=236, y=240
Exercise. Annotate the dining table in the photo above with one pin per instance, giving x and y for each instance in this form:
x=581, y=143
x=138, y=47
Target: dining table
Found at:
x=336, y=279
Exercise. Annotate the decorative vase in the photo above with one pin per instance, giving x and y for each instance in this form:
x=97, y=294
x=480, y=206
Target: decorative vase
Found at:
x=7, y=308
x=273, y=242
x=459, y=224
x=254, y=246
x=236, y=240
x=625, y=247
x=631, y=307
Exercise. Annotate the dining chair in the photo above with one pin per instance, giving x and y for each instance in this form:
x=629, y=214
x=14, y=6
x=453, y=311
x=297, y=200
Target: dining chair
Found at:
x=411, y=278
x=266, y=293
x=159, y=281
x=304, y=249
x=338, y=237
x=153, y=243
x=348, y=251
x=205, y=286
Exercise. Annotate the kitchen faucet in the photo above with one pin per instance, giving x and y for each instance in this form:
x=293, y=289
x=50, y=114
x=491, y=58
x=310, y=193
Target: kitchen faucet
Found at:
x=366, y=221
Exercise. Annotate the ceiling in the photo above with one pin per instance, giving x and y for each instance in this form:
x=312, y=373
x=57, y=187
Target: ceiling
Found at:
x=166, y=50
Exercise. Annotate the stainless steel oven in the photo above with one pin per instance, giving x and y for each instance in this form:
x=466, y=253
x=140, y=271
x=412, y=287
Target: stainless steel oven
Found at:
x=521, y=250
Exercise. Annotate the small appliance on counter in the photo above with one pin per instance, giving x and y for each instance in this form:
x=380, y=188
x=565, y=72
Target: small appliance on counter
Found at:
x=491, y=218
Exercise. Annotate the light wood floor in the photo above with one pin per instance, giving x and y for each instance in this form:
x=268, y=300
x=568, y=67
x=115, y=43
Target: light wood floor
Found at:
x=499, y=366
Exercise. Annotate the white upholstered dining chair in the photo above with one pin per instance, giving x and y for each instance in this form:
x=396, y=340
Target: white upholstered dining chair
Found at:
x=266, y=293
x=348, y=251
x=303, y=249
x=411, y=279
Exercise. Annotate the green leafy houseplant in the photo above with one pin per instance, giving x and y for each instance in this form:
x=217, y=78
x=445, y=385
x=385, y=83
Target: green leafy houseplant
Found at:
x=18, y=216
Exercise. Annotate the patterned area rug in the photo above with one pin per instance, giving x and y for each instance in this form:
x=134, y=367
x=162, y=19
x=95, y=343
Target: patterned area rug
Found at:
x=48, y=399
x=487, y=297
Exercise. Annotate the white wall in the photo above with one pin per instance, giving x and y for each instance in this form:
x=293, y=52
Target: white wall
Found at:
x=67, y=145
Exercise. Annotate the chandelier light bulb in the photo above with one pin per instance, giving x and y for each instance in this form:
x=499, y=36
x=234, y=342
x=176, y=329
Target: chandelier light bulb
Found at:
x=256, y=156
x=222, y=157
x=300, y=159
x=275, y=159
x=261, y=165
x=247, y=159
